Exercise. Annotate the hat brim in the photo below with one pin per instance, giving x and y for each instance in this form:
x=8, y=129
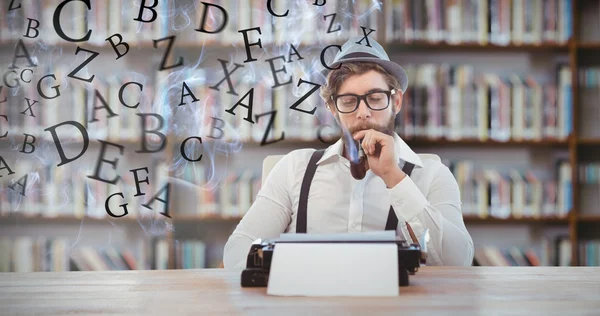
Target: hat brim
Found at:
x=391, y=67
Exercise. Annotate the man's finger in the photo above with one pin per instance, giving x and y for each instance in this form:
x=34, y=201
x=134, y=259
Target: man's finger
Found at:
x=359, y=135
x=365, y=143
x=375, y=138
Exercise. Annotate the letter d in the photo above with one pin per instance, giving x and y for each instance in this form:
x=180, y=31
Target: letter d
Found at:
x=61, y=153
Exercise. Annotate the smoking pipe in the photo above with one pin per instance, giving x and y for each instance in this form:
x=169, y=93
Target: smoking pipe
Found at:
x=358, y=169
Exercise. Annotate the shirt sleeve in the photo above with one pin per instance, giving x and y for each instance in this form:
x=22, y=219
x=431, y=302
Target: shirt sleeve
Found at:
x=268, y=217
x=450, y=243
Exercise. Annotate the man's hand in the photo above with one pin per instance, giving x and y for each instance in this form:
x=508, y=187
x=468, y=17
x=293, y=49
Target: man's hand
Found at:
x=381, y=155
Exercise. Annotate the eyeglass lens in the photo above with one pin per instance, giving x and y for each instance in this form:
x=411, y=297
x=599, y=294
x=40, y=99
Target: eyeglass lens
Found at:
x=349, y=103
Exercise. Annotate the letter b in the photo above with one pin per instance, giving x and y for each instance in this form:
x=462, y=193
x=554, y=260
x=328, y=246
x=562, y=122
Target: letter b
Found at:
x=151, y=8
x=114, y=46
x=34, y=28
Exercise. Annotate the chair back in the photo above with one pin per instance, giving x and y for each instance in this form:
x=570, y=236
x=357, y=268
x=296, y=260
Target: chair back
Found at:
x=268, y=164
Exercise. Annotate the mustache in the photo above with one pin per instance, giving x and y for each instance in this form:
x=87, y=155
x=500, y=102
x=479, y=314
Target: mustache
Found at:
x=369, y=125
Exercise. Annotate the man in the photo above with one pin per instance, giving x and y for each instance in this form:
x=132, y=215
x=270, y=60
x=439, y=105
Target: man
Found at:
x=401, y=190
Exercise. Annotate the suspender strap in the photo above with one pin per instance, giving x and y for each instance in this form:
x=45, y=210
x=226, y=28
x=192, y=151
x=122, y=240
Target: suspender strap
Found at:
x=408, y=168
x=301, y=218
x=392, y=220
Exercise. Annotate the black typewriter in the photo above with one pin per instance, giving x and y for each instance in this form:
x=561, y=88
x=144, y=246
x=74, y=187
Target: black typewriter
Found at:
x=258, y=263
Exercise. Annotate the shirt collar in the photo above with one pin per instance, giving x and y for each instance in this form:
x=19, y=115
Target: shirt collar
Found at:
x=404, y=152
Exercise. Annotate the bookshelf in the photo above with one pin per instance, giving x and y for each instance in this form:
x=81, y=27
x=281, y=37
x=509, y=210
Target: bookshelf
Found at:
x=547, y=220
x=425, y=46
x=571, y=51
x=217, y=218
x=588, y=46
x=588, y=141
x=589, y=218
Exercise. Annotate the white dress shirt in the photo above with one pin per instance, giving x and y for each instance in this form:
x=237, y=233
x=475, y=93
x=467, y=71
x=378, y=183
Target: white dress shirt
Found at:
x=337, y=202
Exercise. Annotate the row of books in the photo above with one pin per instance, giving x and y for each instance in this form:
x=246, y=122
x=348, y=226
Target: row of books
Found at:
x=500, y=22
x=589, y=253
x=455, y=102
x=484, y=192
x=304, y=23
x=199, y=111
x=189, y=254
x=66, y=191
x=443, y=101
x=87, y=258
x=213, y=190
x=514, y=256
x=589, y=189
x=589, y=93
x=589, y=77
x=42, y=254
x=57, y=254
x=111, y=120
x=514, y=193
x=60, y=189
x=553, y=252
x=104, y=19
x=589, y=173
x=26, y=254
x=226, y=116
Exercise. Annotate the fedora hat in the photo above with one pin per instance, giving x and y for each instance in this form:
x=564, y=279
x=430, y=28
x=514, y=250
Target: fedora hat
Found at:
x=355, y=50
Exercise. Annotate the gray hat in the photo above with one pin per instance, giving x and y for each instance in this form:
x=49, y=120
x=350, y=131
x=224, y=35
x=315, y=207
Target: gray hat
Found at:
x=352, y=51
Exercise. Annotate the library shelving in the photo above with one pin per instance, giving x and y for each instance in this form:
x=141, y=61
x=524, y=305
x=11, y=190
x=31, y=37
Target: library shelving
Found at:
x=588, y=141
x=216, y=218
x=406, y=29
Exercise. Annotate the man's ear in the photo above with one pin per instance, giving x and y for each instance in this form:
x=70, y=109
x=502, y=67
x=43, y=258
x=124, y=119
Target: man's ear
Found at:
x=398, y=102
x=330, y=107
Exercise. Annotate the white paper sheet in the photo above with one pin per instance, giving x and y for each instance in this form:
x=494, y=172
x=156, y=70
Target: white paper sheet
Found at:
x=334, y=269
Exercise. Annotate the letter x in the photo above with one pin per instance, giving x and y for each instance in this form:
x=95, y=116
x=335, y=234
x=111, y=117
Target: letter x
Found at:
x=29, y=107
x=366, y=35
x=227, y=74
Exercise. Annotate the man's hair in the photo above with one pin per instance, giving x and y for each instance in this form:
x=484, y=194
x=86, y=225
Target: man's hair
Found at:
x=336, y=77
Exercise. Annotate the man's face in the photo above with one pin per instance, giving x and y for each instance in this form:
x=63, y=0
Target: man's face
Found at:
x=364, y=117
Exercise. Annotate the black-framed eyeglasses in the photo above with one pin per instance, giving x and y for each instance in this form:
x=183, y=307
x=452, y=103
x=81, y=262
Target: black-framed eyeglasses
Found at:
x=376, y=100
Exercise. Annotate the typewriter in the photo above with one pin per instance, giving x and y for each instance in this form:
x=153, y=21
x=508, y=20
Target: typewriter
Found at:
x=258, y=263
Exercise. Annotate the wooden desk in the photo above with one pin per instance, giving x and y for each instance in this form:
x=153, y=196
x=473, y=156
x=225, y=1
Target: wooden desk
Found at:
x=434, y=290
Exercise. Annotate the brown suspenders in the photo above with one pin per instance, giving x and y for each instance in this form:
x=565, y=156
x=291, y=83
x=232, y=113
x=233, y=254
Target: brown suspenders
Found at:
x=392, y=220
x=302, y=203
x=301, y=219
